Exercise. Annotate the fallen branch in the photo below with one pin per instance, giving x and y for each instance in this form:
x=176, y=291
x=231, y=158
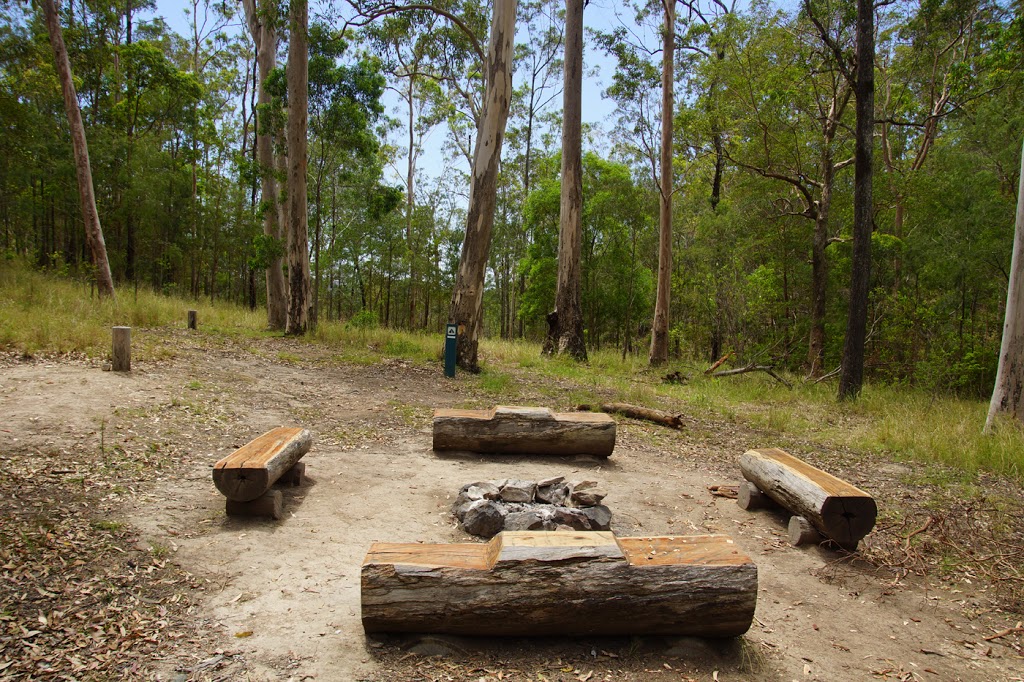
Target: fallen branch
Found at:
x=825, y=377
x=1008, y=631
x=753, y=368
x=728, y=491
x=718, y=363
x=673, y=421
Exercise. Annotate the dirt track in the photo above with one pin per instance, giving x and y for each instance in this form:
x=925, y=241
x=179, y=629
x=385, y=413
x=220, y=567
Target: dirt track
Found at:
x=281, y=600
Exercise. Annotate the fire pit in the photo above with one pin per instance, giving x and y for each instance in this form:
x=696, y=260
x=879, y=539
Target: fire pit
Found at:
x=486, y=508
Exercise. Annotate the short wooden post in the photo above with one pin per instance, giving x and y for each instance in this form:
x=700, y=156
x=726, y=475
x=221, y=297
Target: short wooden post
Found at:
x=748, y=497
x=191, y=319
x=269, y=505
x=121, y=355
x=801, y=532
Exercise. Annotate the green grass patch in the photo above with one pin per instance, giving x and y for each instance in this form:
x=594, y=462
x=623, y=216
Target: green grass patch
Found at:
x=43, y=313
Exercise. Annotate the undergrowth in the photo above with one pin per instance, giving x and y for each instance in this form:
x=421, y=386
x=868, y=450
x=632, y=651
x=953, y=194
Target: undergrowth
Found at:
x=42, y=313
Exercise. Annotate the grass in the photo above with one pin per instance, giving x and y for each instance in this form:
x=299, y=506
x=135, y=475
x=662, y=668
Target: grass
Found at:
x=42, y=313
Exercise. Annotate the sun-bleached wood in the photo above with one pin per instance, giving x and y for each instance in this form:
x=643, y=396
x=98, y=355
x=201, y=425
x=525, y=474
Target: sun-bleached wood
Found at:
x=121, y=349
x=801, y=532
x=249, y=471
x=524, y=430
x=561, y=583
x=749, y=498
x=269, y=505
x=837, y=509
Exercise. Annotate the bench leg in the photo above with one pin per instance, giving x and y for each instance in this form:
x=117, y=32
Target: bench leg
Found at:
x=293, y=476
x=749, y=498
x=269, y=504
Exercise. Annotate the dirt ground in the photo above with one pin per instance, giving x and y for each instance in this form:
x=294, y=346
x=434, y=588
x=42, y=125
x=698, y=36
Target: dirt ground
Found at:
x=116, y=467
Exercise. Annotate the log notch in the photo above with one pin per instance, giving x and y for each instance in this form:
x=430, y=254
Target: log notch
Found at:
x=250, y=470
x=561, y=583
x=524, y=430
x=839, y=510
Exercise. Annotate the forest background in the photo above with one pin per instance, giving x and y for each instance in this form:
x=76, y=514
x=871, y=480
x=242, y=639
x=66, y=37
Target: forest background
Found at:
x=763, y=176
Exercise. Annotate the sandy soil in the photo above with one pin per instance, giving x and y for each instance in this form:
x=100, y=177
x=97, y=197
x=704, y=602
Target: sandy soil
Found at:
x=280, y=600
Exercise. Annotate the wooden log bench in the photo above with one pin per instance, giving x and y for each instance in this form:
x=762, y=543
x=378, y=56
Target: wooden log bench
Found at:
x=573, y=583
x=246, y=475
x=524, y=430
x=838, y=510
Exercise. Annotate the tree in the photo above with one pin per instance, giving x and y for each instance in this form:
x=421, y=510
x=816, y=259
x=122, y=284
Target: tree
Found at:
x=565, y=323
x=659, y=327
x=1008, y=393
x=93, y=229
x=261, y=23
x=298, y=114
x=852, y=377
x=466, y=308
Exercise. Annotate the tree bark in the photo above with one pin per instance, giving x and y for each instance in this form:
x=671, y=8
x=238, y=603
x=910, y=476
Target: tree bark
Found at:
x=1008, y=394
x=568, y=328
x=660, y=325
x=836, y=508
x=83, y=170
x=852, y=378
x=525, y=430
x=264, y=35
x=249, y=471
x=561, y=583
x=298, y=228
x=466, y=308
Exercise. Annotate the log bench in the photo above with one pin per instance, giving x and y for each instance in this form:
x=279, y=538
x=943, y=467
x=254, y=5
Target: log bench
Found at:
x=526, y=583
x=524, y=430
x=245, y=476
x=821, y=502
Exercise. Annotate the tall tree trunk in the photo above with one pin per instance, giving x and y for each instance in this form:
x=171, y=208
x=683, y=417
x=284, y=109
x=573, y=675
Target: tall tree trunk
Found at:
x=1008, y=394
x=819, y=265
x=852, y=378
x=264, y=35
x=410, y=203
x=659, y=328
x=467, y=298
x=298, y=228
x=567, y=327
x=93, y=229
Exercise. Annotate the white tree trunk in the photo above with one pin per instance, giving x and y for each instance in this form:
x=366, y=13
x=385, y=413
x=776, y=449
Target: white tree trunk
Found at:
x=93, y=229
x=1008, y=394
x=467, y=298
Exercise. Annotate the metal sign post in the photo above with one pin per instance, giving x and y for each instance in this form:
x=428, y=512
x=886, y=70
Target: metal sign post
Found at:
x=450, y=339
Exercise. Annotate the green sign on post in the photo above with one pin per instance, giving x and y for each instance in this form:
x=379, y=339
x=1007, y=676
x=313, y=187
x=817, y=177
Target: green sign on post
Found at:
x=450, y=338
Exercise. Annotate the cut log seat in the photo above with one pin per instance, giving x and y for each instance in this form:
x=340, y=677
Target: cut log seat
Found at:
x=837, y=509
x=524, y=430
x=250, y=470
x=573, y=583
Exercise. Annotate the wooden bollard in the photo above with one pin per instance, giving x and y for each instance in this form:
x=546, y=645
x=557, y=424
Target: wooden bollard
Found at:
x=121, y=353
x=192, y=319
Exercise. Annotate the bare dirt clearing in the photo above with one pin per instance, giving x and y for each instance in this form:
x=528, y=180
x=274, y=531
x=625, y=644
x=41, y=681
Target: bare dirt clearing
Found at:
x=113, y=471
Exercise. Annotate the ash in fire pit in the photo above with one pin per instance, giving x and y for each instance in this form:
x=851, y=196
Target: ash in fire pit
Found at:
x=486, y=508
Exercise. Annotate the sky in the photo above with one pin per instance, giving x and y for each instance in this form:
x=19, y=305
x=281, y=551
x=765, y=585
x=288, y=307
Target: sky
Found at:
x=598, y=111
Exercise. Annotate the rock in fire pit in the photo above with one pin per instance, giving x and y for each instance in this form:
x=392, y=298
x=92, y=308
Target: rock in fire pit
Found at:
x=486, y=508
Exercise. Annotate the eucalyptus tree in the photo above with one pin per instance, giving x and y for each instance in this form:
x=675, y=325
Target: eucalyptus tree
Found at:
x=298, y=215
x=262, y=22
x=565, y=322
x=466, y=308
x=93, y=229
x=788, y=123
